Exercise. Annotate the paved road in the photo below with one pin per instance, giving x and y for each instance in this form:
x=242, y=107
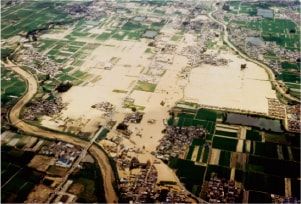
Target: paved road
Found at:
x=267, y=69
x=14, y=117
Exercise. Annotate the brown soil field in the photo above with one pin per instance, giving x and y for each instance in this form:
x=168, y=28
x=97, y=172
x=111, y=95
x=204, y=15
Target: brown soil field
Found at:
x=57, y=171
x=41, y=162
x=39, y=194
x=238, y=160
x=76, y=188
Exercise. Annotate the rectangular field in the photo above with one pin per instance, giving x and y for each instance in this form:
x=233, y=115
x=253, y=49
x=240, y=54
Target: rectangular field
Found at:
x=225, y=133
x=224, y=143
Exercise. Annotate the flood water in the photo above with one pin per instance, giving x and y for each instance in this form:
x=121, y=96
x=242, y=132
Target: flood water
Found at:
x=262, y=123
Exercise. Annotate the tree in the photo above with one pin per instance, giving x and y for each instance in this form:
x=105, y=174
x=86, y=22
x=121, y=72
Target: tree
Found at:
x=134, y=109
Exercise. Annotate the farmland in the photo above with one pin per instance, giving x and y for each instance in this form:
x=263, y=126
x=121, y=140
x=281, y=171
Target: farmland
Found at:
x=137, y=56
x=12, y=86
x=21, y=18
x=256, y=165
x=284, y=32
x=25, y=173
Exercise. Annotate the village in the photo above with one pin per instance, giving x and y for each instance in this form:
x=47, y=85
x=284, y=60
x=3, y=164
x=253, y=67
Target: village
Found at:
x=139, y=164
x=251, y=42
x=220, y=190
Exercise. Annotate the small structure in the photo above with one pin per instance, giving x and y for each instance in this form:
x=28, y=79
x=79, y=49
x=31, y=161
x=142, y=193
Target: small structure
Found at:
x=243, y=66
x=265, y=13
x=150, y=34
x=108, y=66
x=139, y=18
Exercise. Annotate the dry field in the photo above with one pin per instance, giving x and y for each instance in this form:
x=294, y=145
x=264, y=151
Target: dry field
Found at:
x=39, y=194
x=41, y=162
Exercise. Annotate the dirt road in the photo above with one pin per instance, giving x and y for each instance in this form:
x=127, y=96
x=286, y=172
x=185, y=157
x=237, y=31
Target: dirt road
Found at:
x=32, y=86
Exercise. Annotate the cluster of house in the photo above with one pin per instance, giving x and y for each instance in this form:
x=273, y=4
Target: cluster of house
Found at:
x=169, y=48
x=292, y=14
x=293, y=118
x=43, y=107
x=275, y=108
x=104, y=106
x=196, y=56
x=222, y=191
x=135, y=117
x=38, y=61
x=281, y=199
x=91, y=10
x=64, y=153
x=252, y=43
x=176, y=141
x=149, y=78
x=140, y=185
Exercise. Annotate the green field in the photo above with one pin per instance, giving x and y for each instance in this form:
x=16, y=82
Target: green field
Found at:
x=224, y=158
x=225, y=133
x=266, y=149
x=190, y=151
x=90, y=177
x=224, y=143
x=188, y=171
x=17, y=180
x=222, y=172
x=199, y=153
x=29, y=16
x=205, y=114
x=253, y=135
x=145, y=86
x=206, y=154
x=12, y=86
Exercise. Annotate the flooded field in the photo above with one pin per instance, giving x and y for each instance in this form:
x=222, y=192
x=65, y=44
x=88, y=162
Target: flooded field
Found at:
x=262, y=123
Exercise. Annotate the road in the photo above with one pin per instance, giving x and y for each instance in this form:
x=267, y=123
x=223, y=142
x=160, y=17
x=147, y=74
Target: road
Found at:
x=267, y=69
x=14, y=118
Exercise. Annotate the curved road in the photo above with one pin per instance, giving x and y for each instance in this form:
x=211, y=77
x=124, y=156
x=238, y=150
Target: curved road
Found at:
x=267, y=69
x=32, y=86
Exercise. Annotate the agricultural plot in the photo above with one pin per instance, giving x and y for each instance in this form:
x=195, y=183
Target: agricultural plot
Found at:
x=205, y=155
x=296, y=154
x=221, y=171
x=224, y=158
x=266, y=149
x=187, y=170
x=29, y=16
x=188, y=118
x=253, y=135
x=198, y=142
x=200, y=152
x=17, y=180
x=264, y=182
x=276, y=167
x=226, y=133
x=12, y=86
x=206, y=114
x=190, y=151
x=224, y=143
x=145, y=86
x=284, y=32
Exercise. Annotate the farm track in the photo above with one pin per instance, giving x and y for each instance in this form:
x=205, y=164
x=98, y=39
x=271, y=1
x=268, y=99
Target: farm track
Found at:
x=14, y=114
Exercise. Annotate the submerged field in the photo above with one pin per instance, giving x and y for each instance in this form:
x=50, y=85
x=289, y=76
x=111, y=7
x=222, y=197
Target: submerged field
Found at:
x=110, y=58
